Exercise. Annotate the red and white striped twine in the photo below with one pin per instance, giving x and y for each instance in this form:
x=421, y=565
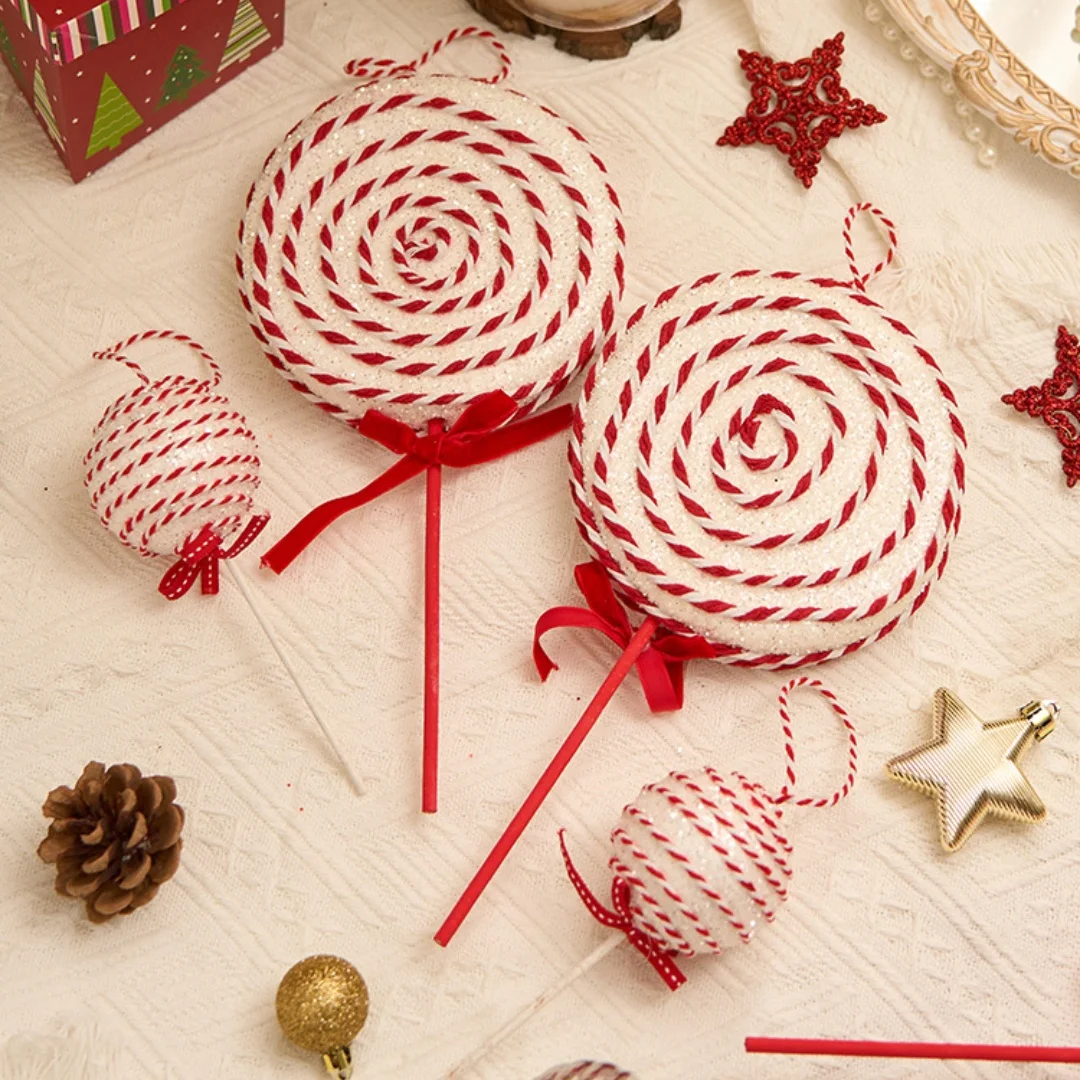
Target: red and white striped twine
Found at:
x=786, y=792
x=171, y=458
x=586, y=1070
x=713, y=426
x=424, y=240
x=858, y=280
x=116, y=352
x=372, y=68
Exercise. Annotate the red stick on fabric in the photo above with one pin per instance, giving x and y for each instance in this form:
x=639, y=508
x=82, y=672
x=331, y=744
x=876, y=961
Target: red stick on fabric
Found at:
x=547, y=781
x=430, y=798
x=485, y=431
x=938, y=1051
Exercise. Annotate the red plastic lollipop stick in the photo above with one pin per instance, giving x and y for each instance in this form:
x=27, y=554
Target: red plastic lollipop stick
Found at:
x=547, y=781
x=939, y=1051
x=430, y=798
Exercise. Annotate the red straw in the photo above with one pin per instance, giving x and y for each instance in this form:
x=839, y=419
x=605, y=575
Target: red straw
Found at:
x=430, y=799
x=547, y=781
x=939, y=1051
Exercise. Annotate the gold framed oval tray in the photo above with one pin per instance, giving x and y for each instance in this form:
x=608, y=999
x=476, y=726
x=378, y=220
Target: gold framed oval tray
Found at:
x=1017, y=61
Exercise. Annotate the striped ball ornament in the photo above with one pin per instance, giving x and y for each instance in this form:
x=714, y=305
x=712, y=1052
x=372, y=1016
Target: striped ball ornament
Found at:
x=586, y=1070
x=705, y=861
x=171, y=459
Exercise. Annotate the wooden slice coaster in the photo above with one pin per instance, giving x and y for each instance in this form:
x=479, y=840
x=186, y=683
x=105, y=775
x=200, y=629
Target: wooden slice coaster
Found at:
x=590, y=45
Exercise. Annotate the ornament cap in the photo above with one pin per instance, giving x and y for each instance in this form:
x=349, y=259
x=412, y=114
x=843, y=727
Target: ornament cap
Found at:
x=339, y=1063
x=1042, y=716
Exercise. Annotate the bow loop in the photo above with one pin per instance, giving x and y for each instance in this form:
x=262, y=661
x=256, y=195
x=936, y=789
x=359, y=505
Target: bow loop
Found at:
x=397, y=437
x=200, y=556
x=660, y=665
x=595, y=586
x=485, y=430
x=621, y=919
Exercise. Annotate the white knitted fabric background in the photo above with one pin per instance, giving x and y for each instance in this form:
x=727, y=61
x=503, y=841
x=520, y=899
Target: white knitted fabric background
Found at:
x=884, y=937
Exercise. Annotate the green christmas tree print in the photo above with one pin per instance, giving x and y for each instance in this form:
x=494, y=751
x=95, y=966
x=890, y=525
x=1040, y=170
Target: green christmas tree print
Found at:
x=184, y=72
x=247, y=33
x=116, y=116
x=44, y=108
x=8, y=51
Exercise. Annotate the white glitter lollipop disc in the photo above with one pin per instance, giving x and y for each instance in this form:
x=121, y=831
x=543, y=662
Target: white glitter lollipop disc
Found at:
x=769, y=462
x=421, y=241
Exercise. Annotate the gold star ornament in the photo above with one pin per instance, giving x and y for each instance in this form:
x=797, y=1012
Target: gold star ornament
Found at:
x=973, y=769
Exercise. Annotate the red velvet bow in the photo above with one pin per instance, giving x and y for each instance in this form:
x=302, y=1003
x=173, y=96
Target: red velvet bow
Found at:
x=620, y=919
x=481, y=433
x=660, y=665
x=200, y=555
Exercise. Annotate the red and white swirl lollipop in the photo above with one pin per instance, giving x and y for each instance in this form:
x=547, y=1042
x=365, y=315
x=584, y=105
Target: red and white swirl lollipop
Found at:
x=768, y=468
x=173, y=471
x=771, y=463
x=431, y=259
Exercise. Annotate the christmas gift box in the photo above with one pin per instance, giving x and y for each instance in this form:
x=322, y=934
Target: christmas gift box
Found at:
x=103, y=74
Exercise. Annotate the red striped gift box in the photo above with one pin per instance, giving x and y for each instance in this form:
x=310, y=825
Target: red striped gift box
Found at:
x=102, y=75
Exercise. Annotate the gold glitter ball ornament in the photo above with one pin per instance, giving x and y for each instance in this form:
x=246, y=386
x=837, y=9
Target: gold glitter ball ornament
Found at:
x=972, y=768
x=322, y=1003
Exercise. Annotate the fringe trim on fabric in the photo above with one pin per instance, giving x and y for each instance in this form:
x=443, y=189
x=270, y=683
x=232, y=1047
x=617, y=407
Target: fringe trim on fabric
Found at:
x=967, y=297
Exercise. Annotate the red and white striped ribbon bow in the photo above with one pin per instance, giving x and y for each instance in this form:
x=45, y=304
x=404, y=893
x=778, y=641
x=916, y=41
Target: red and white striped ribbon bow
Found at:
x=619, y=919
x=200, y=558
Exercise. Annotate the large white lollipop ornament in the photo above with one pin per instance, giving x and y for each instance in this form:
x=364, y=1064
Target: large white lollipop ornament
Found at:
x=768, y=468
x=431, y=259
x=701, y=864
x=173, y=472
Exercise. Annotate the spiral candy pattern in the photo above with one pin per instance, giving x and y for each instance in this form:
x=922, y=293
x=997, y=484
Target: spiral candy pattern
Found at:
x=770, y=462
x=171, y=458
x=425, y=239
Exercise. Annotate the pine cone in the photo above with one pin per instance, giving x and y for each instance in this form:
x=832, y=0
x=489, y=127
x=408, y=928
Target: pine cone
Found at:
x=115, y=838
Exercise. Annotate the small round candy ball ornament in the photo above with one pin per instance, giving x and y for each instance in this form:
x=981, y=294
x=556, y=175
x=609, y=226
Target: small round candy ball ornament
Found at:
x=174, y=469
x=700, y=859
x=704, y=859
x=322, y=1005
x=587, y=1070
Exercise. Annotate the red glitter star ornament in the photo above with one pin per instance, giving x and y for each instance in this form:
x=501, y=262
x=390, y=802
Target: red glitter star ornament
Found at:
x=1057, y=401
x=798, y=107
